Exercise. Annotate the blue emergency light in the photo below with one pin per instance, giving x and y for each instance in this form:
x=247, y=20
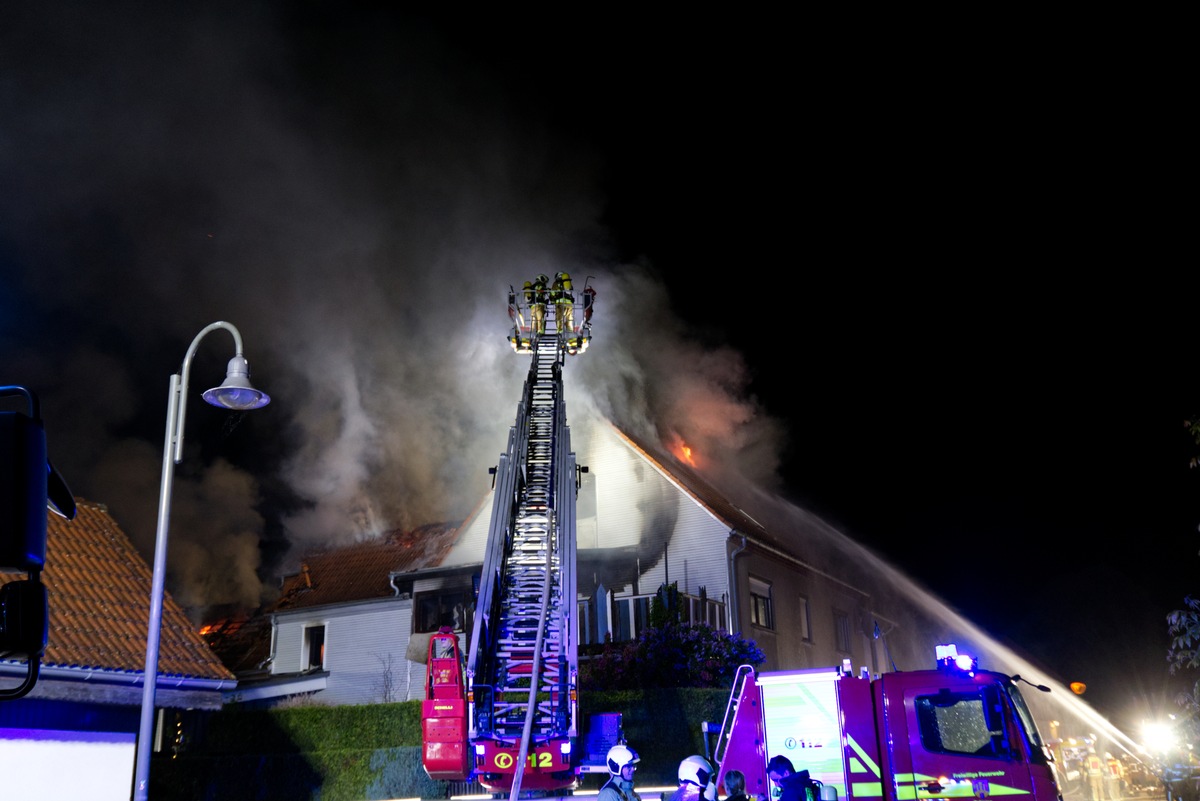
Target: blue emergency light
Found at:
x=949, y=659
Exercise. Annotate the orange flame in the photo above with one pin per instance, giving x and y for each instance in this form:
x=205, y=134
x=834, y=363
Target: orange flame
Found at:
x=682, y=451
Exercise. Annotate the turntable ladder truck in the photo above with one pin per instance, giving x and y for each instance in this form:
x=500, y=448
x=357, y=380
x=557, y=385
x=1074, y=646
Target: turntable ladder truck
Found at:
x=510, y=719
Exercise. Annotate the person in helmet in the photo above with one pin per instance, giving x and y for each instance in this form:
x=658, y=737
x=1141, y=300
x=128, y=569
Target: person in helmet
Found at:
x=1093, y=769
x=1114, y=777
x=622, y=762
x=564, y=305
x=535, y=296
x=697, y=780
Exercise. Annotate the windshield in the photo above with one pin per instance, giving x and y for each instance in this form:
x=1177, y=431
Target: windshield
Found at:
x=1038, y=750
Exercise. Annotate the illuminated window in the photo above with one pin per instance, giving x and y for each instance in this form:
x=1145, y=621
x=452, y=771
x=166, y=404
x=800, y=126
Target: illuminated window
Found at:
x=761, y=612
x=314, y=648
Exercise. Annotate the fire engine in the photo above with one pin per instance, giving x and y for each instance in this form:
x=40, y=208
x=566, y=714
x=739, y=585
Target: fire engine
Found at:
x=505, y=712
x=953, y=732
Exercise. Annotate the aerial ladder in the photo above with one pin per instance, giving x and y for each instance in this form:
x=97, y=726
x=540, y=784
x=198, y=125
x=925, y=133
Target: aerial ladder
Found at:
x=508, y=717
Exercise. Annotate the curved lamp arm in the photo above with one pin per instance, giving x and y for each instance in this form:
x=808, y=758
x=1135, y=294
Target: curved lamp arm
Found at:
x=234, y=393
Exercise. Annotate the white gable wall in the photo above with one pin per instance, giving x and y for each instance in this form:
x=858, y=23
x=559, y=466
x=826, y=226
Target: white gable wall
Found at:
x=675, y=539
x=472, y=539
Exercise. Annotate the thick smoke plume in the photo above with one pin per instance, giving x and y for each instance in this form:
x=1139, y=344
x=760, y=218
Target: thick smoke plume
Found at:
x=355, y=200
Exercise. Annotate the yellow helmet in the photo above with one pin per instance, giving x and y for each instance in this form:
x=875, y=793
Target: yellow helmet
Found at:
x=563, y=277
x=528, y=284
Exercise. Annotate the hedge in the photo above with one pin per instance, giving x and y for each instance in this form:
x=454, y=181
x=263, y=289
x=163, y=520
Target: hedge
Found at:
x=373, y=752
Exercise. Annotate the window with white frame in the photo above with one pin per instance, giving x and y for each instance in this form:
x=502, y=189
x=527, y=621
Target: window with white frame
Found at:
x=314, y=648
x=804, y=620
x=762, y=613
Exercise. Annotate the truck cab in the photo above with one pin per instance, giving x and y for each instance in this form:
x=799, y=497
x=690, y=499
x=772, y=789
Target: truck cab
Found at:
x=954, y=732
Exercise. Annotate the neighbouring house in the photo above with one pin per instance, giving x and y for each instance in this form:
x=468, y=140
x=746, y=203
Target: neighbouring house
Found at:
x=88, y=695
x=341, y=627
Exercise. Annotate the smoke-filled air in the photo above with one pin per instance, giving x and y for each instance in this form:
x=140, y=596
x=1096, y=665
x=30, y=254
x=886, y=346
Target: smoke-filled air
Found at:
x=359, y=212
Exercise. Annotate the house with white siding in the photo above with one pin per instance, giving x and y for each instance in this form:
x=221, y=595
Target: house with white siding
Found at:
x=341, y=628
x=352, y=625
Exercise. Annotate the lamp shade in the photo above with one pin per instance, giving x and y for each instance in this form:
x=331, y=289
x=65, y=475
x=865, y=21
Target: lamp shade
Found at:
x=235, y=391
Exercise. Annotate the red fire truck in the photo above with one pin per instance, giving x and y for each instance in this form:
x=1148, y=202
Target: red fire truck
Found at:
x=955, y=732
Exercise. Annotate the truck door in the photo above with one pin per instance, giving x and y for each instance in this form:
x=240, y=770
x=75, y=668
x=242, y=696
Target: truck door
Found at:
x=962, y=743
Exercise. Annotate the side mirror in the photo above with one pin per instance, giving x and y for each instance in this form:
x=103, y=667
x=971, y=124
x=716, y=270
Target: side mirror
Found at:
x=29, y=485
x=24, y=478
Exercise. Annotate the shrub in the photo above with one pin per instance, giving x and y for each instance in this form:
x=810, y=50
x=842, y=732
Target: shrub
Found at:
x=671, y=655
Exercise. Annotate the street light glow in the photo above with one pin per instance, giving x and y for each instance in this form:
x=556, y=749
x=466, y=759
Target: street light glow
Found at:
x=1159, y=737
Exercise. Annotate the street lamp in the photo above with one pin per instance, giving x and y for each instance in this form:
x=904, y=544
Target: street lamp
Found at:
x=234, y=393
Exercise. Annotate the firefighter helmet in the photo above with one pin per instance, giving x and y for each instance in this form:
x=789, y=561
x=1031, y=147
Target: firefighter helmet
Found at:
x=541, y=279
x=528, y=284
x=619, y=756
x=697, y=770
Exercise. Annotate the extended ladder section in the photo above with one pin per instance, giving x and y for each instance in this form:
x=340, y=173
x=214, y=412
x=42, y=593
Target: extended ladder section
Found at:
x=522, y=662
x=532, y=634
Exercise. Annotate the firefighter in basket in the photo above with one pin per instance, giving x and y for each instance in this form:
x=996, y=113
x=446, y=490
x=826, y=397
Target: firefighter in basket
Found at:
x=535, y=297
x=564, y=306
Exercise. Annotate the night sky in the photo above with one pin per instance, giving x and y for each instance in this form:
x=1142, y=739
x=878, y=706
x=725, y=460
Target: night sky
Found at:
x=932, y=290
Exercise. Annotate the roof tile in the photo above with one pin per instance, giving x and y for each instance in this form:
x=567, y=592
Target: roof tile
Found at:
x=98, y=588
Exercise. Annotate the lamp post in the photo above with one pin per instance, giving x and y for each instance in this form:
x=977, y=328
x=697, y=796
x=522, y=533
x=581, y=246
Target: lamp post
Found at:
x=234, y=393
